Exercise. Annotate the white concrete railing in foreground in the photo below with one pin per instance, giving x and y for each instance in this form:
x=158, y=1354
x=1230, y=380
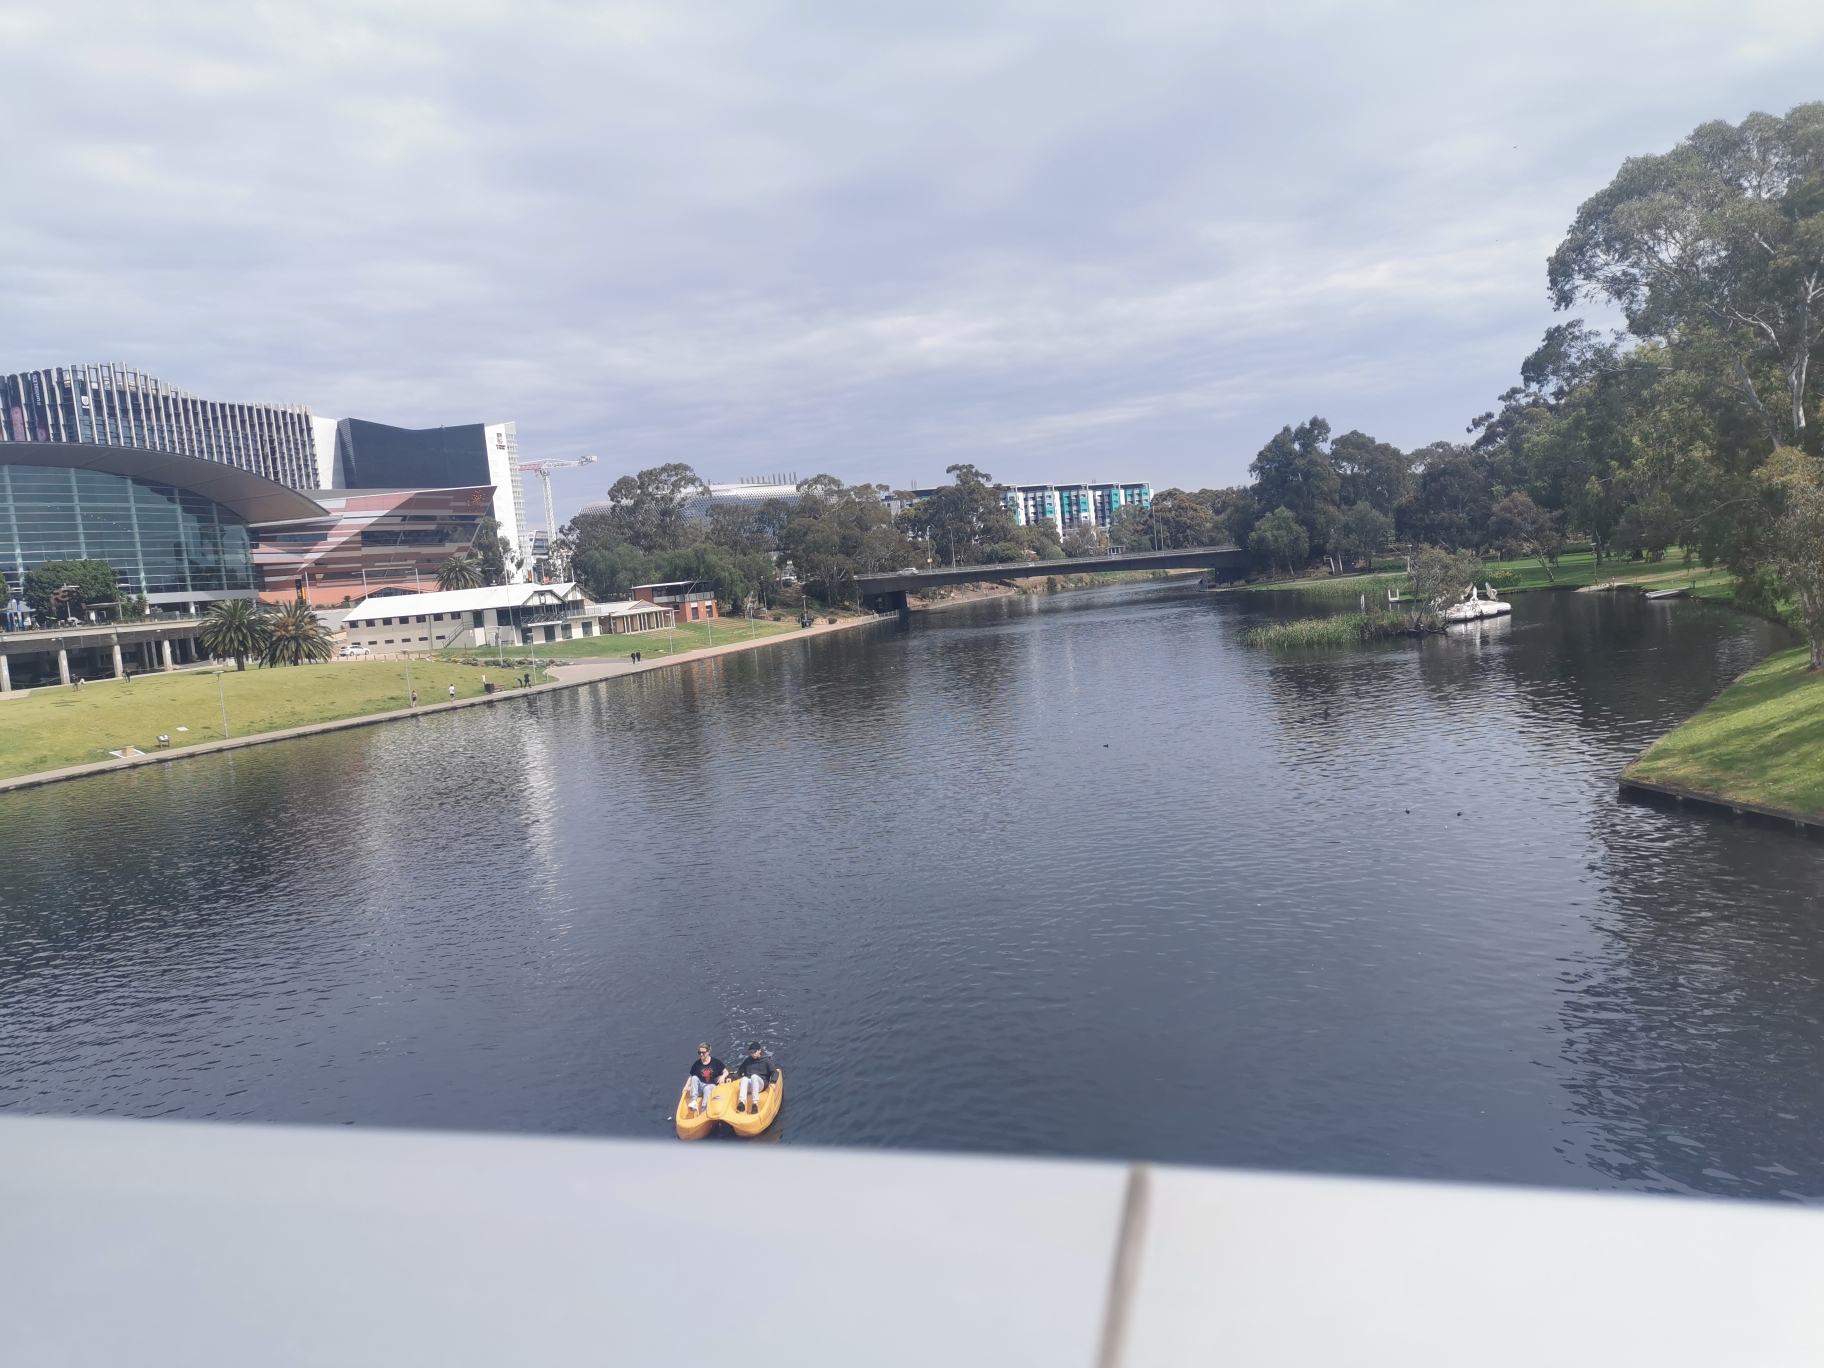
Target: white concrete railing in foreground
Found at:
x=145, y=1242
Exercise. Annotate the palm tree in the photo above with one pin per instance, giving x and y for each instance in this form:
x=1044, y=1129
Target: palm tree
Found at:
x=461, y=571
x=295, y=636
x=233, y=627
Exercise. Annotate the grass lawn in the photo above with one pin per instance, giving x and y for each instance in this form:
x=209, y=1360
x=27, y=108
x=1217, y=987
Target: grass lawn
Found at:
x=686, y=636
x=1761, y=741
x=54, y=727
x=1574, y=569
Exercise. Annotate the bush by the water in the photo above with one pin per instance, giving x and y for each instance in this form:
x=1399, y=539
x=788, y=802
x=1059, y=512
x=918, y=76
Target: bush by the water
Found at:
x=1340, y=629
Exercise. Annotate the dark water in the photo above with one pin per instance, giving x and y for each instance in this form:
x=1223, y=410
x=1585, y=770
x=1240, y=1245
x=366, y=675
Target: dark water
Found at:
x=1074, y=875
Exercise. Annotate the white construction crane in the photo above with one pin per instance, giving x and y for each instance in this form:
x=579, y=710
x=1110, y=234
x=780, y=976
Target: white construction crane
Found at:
x=543, y=470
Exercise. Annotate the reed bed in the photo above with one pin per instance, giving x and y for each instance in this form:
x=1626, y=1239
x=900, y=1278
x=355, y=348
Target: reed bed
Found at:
x=1340, y=629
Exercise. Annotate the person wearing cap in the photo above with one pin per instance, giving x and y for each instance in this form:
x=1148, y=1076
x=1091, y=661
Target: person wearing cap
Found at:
x=756, y=1074
x=705, y=1072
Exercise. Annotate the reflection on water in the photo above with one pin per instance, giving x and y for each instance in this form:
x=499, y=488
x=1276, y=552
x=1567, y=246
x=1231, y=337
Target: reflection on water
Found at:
x=1074, y=875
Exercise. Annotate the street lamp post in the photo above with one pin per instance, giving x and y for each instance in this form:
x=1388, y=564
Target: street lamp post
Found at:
x=222, y=698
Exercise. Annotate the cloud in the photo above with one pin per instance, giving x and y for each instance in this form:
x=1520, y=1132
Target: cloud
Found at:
x=1058, y=240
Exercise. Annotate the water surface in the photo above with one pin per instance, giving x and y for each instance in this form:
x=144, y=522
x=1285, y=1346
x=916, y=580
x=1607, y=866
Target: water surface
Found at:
x=1074, y=875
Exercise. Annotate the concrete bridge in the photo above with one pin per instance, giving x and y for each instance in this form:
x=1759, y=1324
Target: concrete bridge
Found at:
x=887, y=593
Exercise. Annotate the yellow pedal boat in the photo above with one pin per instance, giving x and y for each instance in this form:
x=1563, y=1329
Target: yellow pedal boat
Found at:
x=748, y=1123
x=696, y=1126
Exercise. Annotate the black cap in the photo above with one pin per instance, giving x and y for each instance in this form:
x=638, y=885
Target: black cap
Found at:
x=755, y=1045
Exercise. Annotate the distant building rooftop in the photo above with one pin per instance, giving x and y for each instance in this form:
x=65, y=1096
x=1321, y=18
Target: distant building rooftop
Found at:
x=464, y=600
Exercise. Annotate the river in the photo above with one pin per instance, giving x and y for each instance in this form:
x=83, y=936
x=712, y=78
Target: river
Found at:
x=1078, y=874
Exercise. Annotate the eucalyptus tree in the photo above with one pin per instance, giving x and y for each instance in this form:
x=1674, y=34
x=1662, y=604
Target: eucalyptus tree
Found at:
x=233, y=628
x=1293, y=471
x=1718, y=246
x=965, y=520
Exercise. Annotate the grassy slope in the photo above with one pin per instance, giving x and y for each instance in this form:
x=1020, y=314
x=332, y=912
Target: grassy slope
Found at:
x=1575, y=569
x=1761, y=741
x=54, y=727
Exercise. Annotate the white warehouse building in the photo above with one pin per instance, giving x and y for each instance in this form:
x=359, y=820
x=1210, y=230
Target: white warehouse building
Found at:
x=501, y=615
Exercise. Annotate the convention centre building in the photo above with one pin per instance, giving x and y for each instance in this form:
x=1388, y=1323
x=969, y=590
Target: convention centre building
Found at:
x=192, y=500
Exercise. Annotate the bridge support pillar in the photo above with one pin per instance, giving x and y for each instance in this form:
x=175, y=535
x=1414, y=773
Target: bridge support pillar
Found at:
x=63, y=665
x=165, y=648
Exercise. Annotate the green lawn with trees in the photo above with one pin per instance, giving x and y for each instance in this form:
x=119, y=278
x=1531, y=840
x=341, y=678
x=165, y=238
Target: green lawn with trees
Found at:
x=1697, y=429
x=1761, y=741
x=55, y=727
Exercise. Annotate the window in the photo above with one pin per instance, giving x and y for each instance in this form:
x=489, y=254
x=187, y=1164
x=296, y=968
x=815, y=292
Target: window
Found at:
x=421, y=618
x=435, y=617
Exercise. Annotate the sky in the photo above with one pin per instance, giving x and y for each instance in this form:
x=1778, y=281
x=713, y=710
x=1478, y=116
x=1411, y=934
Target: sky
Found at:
x=1124, y=240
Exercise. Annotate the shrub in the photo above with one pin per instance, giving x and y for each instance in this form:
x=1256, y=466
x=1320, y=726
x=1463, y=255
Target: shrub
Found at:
x=1341, y=629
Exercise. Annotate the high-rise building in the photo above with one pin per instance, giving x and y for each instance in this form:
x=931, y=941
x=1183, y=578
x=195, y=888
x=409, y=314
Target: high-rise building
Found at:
x=116, y=406
x=1074, y=505
x=84, y=474
x=367, y=455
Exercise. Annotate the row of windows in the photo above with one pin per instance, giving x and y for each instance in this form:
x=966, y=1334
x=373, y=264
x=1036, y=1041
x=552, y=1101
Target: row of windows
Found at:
x=109, y=406
x=159, y=539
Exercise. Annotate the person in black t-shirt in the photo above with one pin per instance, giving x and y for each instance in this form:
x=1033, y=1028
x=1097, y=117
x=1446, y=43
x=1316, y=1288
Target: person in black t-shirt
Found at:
x=756, y=1074
x=705, y=1072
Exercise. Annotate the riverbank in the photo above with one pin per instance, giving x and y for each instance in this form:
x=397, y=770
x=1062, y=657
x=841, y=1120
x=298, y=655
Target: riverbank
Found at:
x=51, y=735
x=1575, y=570
x=1758, y=747
x=962, y=594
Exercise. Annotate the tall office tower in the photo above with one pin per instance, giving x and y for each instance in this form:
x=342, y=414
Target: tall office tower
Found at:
x=116, y=406
x=369, y=455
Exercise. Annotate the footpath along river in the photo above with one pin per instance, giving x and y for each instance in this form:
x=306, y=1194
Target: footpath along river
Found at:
x=1073, y=875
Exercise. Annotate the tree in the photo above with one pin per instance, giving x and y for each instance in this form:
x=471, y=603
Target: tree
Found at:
x=1364, y=530
x=1131, y=527
x=1293, y=471
x=94, y=581
x=1519, y=527
x=461, y=571
x=1792, y=547
x=610, y=571
x=1279, y=539
x=964, y=520
x=1724, y=236
x=233, y=627
x=838, y=531
x=1440, y=578
x=1368, y=472
x=494, y=553
x=293, y=635
x=1450, y=507
x=647, y=509
x=1183, y=519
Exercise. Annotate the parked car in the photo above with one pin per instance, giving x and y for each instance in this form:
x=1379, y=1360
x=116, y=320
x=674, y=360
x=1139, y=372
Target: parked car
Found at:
x=355, y=651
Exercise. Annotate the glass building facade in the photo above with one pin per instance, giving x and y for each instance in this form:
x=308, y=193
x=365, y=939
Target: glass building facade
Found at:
x=120, y=407
x=170, y=544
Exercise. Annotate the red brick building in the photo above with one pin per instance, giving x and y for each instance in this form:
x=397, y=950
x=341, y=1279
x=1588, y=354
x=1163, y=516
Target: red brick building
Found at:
x=691, y=600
